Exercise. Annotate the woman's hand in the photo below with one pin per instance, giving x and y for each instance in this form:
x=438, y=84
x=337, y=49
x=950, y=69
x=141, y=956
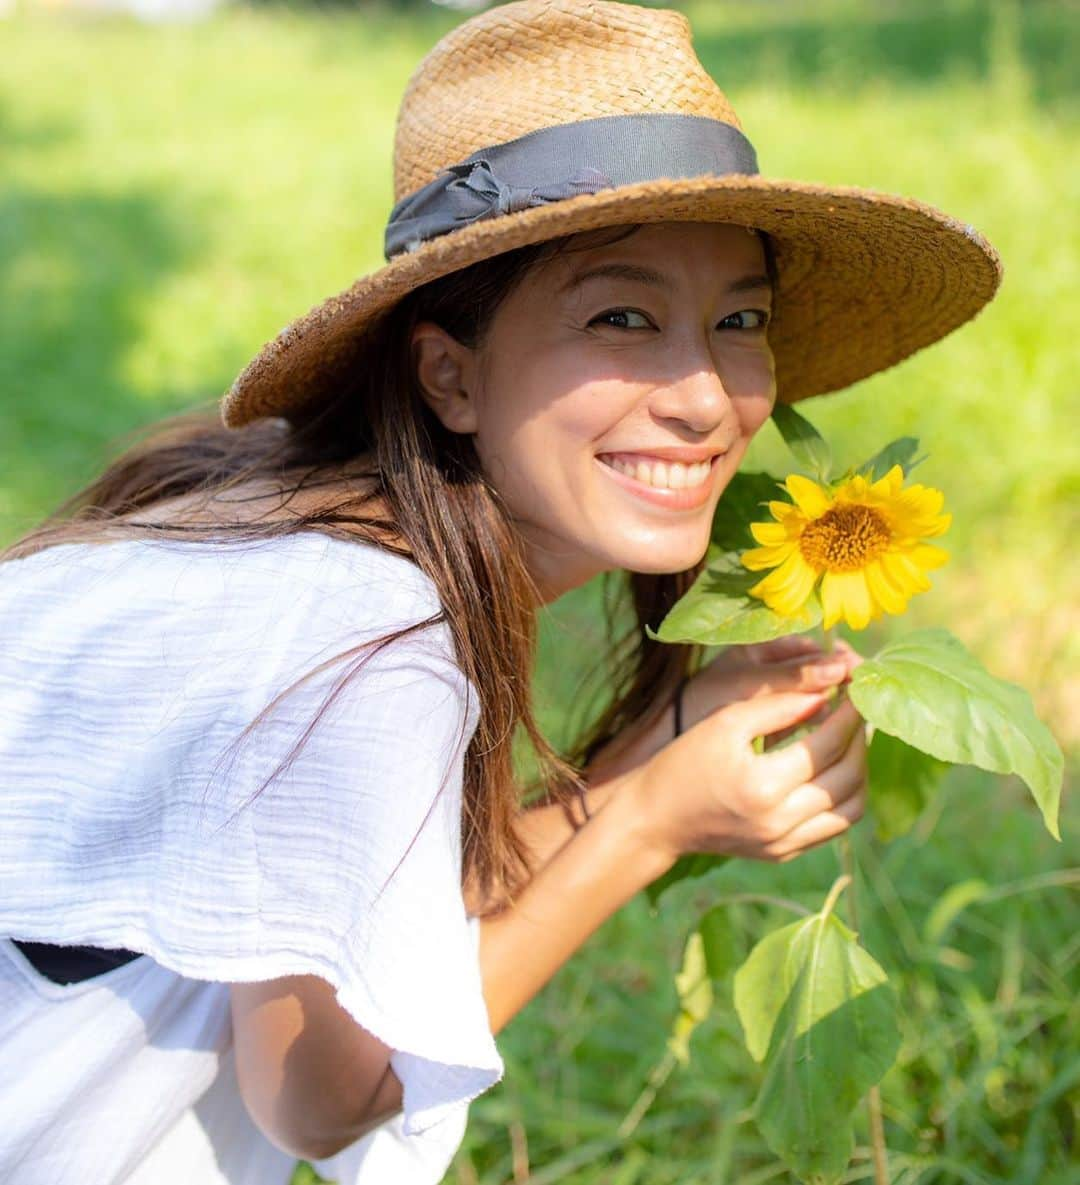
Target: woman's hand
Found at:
x=794, y=663
x=709, y=791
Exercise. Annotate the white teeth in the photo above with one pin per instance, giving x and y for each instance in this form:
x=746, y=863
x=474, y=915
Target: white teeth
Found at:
x=668, y=475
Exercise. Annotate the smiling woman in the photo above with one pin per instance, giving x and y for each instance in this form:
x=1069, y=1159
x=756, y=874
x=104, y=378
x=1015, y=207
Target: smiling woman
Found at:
x=610, y=364
x=262, y=680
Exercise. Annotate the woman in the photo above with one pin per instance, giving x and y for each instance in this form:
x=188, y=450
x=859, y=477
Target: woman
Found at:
x=267, y=880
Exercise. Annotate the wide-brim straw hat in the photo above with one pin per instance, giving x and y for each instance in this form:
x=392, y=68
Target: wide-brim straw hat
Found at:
x=544, y=118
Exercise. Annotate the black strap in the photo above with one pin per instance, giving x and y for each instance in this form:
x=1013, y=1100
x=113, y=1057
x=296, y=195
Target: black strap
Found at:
x=72, y=964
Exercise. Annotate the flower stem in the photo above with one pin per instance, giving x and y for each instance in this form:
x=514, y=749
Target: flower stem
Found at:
x=873, y=1098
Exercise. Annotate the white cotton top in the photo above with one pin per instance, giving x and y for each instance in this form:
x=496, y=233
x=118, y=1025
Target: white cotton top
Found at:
x=126, y=671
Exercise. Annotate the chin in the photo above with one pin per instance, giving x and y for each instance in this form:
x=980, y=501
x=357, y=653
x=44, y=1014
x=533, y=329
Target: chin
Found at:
x=654, y=561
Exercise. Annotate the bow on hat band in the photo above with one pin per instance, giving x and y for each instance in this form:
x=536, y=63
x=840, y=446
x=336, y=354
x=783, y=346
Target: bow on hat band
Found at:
x=560, y=162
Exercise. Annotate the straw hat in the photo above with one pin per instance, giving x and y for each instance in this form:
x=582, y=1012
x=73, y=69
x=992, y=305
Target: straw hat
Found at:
x=548, y=117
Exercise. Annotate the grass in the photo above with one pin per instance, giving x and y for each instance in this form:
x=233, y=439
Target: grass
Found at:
x=172, y=196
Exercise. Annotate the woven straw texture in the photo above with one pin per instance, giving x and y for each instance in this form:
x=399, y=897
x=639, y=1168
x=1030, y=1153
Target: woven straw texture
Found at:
x=865, y=278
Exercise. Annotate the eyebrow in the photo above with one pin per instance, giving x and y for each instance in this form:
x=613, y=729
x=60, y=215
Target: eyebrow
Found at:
x=645, y=275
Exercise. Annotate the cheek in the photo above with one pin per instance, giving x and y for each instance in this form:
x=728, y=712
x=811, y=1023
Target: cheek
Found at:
x=537, y=425
x=551, y=403
x=754, y=393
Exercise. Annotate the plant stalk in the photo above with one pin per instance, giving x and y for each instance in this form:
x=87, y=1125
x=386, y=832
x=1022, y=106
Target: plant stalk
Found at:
x=873, y=1098
x=660, y=1074
x=878, y=1149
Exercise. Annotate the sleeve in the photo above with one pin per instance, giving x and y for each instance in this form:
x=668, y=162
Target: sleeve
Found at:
x=357, y=848
x=139, y=822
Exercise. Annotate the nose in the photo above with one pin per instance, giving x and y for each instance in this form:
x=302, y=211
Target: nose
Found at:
x=697, y=397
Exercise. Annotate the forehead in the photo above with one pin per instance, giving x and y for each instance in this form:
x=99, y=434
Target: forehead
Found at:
x=662, y=254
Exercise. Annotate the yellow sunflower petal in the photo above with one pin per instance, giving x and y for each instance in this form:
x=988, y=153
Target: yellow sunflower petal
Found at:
x=889, y=485
x=927, y=528
x=904, y=572
x=810, y=498
x=831, y=606
x=915, y=512
x=855, y=489
x=790, y=517
x=929, y=557
x=885, y=594
x=924, y=499
x=758, y=558
x=769, y=534
x=787, y=589
x=844, y=594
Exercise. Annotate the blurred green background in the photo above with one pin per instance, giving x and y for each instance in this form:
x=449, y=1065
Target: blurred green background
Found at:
x=171, y=195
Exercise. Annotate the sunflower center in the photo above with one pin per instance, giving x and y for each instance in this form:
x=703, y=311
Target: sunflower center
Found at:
x=844, y=538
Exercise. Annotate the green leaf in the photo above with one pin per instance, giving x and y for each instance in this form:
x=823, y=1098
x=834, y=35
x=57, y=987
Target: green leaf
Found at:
x=742, y=502
x=694, y=987
x=694, y=865
x=897, y=452
x=819, y=1012
x=807, y=445
x=929, y=691
x=717, y=610
x=902, y=780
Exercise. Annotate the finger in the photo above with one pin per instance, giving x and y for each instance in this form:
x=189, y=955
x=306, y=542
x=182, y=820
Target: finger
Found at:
x=818, y=830
x=766, y=714
x=819, y=717
x=828, y=790
x=804, y=759
x=849, y=654
x=780, y=649
x=804, y=673
x=843, y=646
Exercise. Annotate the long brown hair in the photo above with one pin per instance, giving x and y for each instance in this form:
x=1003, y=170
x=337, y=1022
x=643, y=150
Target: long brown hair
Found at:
x=376, y=465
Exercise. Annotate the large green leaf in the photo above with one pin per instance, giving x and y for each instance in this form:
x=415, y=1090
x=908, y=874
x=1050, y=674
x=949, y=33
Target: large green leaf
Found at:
x=717, y=610
x=807, y=445
x=694, y=987
x=743, y=502
x=902, y=780
x=929, y=691
x=819, y=1012
x=694, y=865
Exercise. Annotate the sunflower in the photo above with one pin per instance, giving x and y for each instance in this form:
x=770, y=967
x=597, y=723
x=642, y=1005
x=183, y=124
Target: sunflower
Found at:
x=862, y=539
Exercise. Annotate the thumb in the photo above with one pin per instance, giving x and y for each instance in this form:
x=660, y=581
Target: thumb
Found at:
x=765, y=714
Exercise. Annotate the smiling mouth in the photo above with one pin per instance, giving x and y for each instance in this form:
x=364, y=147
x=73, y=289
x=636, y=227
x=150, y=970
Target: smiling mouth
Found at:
x=661, y=475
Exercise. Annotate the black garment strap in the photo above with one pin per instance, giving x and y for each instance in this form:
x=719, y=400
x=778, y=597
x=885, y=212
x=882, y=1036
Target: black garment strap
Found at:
x=560, y=162
x=72, y=964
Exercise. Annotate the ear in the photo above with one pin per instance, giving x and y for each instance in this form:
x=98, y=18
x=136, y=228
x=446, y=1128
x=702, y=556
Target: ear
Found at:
x=446, y=371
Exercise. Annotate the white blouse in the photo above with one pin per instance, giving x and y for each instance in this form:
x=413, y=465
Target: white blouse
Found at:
x=128, y=820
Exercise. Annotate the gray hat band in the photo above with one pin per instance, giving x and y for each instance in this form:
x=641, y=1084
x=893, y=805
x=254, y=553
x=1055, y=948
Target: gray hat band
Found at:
x=552, y=164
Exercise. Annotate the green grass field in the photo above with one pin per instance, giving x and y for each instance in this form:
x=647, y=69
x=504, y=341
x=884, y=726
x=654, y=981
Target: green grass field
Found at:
x=170, y=197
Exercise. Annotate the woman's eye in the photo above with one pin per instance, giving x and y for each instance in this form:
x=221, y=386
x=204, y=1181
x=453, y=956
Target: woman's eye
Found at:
x=623, y=319
x=751, y=319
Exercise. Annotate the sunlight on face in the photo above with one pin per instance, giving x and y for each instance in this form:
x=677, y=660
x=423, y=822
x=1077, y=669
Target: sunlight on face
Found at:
x=619, y=389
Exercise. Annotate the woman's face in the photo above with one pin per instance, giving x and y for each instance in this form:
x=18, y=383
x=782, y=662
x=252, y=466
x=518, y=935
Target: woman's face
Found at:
x=614, y=396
